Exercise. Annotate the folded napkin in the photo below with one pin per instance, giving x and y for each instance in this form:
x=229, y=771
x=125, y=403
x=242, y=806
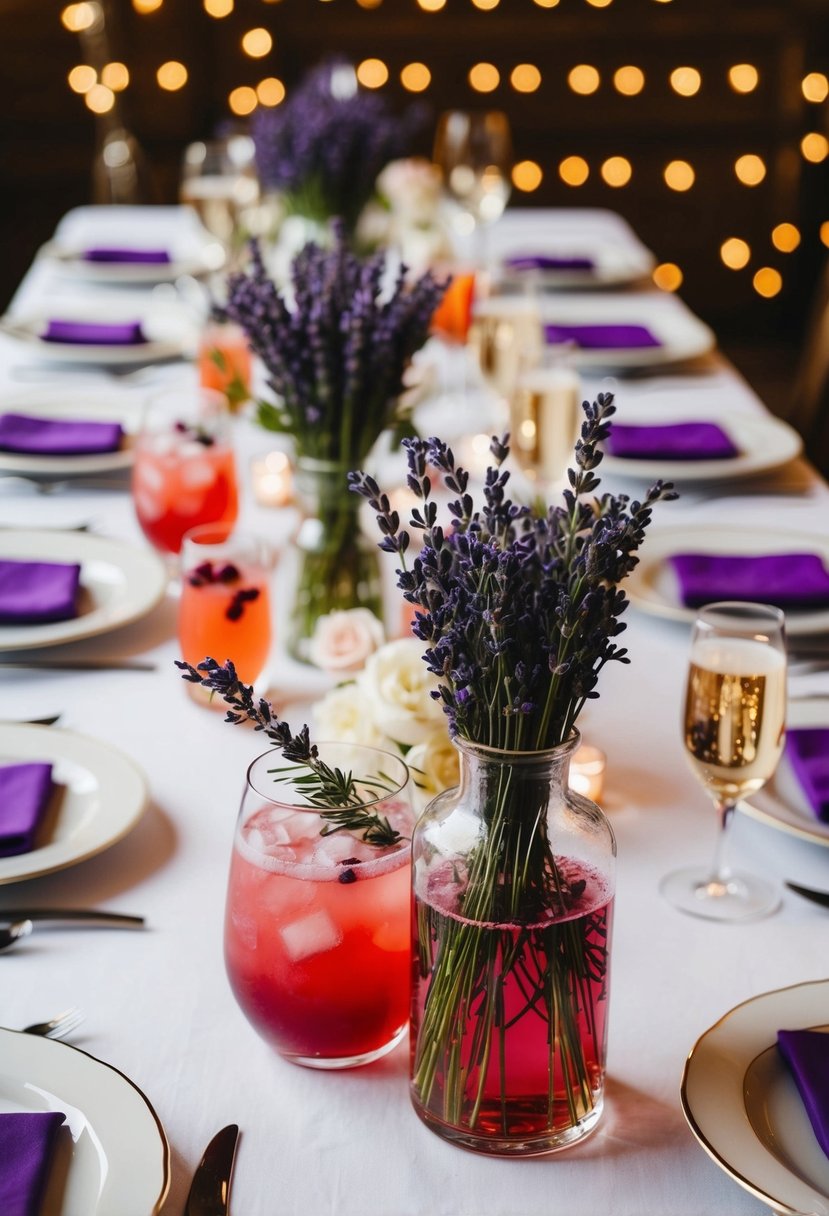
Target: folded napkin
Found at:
x=148, y=257
x=672, y=441
x=36, y=592
x=57, y=436
x=602, y=337
x=787, y=580
x=546, y=261
x=808, y=752
x=24, y=795
x=807, y=1054
x=90, y=333
x=27, y=1145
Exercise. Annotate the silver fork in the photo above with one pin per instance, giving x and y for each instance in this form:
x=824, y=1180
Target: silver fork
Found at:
x=57, y=1027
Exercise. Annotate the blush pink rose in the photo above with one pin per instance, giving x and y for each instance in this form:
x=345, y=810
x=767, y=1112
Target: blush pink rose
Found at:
x=342, y=641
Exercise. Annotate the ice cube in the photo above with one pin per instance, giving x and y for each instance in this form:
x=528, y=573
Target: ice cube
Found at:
x=197, y=474
x=245, y=927
x=149, y=505
x=331, y=850
x=313, y=934
x=149, y=477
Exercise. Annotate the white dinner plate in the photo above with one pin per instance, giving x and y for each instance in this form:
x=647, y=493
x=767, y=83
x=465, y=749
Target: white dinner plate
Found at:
x=112, y=1156
x=160, y=344
x=782, y=803
x=133, y=274
x=119, y=584
x=100, y=796
x=91, y=405
x=614, y=264
x=653, y=586
x=742, y=1104
x=762, y=443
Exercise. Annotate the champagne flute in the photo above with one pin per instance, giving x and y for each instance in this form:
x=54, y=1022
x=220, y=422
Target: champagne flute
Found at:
x=734, y=729
x=218, y=179
x=473, y=150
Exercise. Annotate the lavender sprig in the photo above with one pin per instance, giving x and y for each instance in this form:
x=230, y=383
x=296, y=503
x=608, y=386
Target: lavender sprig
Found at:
x=333, y=793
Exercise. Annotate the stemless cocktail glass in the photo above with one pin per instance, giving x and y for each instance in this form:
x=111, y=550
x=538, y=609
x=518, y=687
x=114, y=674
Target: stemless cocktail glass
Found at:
x=734, y=729
x=224, y=608
x=184, y=472
x=317, y=926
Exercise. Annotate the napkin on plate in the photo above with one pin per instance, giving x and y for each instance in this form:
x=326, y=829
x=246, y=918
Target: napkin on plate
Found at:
x=94, y=333
x=148, y=257
x=807, y=1054
x=788, y=580
x=808, y=752
x=25, y=790
x=670, y=441
x=27, y=1146
x=36, y=592
x=548, y=261
x=602, y=337
x=57, y=436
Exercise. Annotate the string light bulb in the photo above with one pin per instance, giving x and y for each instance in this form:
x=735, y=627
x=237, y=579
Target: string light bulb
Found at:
x=574, y=170
x=100, y=99
x=172, y=76
x=82, y=78
x=685, y=81
x=257, y=43
x=525, y=78
x=616, y=171
x=243, y=100
x=767, y=282
x=815, y=147
x=743, y=77
x=415, y=77
x=372, y=73
x=77, y=17
x=484, y=77
x=218, y=8
x=527, y=175
x=629, y=80
x=750, y=169
x=115, y=76
x=668, y=277
x=584, y=79
x=815, y=87
x=785, y=237
x=735, y=253
x=270, y=91
x=679, y=175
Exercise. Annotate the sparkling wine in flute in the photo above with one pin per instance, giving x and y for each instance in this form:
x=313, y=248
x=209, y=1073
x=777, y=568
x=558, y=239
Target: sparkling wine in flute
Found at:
x=545, y=422
x=219, y=202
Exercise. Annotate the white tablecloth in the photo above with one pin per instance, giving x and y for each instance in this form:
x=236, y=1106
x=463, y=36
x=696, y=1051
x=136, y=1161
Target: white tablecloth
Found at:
x=158, y=1005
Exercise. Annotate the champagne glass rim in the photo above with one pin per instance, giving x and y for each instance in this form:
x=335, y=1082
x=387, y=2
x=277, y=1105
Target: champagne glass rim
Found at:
x=741, y=615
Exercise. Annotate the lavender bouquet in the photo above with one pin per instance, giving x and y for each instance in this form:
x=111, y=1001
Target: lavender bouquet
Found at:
x=335, y=348
x=323, y=149
x=520, y=609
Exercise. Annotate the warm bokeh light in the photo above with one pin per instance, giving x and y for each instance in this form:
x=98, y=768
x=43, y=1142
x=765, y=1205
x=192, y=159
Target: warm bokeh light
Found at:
x=431, y=6
x=735, y=253
x=147, y=6
x=82, y=78
x=362, y=3
x=785, y=237
x=527, y=175
x=750, y=169
x=257, y=43
x=679, y=175
x=270, y=91
x=172, y=75
x=415, y=77
x=743, y=77
x=484, y=77
x=668, y=276
x=824, y=232
x=115, y=76
x=372, y=73
x=100, y=99
x=599, y=3
x=574, y=170
x=218, y=8
x=525, y=78
x=584, y=79
x=242, y=100
x=685, y=81
x=547, y=3
x=486, y=4
x=767, y=282
x=629, y=80
x=815, y=87
x=616, y=171
x=815, y=147
x=77, y=17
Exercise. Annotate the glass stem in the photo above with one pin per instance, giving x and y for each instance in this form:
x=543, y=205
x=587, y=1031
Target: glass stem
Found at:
x=718, y=882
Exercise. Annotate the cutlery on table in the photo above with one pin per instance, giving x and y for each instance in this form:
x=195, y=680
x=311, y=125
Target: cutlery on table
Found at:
x=78, y=665
x=57, y=1027
x=12, y=933
x=49, y=720
x=817, y=897
x=90, y=917
x=210, y=1189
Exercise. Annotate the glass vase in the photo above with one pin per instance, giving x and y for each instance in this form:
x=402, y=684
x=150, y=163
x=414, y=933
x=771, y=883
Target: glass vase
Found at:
x=339, y=568
x=513, y=879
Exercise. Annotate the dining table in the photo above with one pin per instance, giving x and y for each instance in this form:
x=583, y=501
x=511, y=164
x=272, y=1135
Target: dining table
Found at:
x=157, y=1004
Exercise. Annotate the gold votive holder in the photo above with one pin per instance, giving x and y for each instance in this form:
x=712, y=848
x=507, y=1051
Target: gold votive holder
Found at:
x=587, y=772
x=273, y=479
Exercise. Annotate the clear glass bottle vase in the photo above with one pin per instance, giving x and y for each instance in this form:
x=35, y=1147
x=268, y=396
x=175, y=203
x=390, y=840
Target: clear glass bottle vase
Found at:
x=513, y=879
x=338, y=567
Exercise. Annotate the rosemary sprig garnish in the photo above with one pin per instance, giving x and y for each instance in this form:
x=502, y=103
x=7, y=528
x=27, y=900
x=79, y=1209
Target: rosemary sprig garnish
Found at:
x=337, y=796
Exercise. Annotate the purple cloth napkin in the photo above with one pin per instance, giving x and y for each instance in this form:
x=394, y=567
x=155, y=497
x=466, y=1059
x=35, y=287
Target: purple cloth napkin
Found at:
x=27, y=1146
x=88, y=333
x=57, y=436
x=808, y=752
x=25, y=790
x=32, y=593
x=148, y=257
x=546, y=261
x=673, y=441
x=787, y=580
x=807, y=1054
x=602, y=337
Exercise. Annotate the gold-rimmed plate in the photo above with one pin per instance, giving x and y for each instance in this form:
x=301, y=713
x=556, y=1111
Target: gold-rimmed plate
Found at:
x=742, y=1104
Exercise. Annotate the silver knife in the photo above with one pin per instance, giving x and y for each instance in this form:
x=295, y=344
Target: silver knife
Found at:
x=79, y=916
x=79, y=664
x=210, y=1188
x=817, y=897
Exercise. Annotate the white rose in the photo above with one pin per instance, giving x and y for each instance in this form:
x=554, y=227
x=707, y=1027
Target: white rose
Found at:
x=342, y=641
x=412, y=188
x=397, y=684
x=435, y=764
x=344, y=716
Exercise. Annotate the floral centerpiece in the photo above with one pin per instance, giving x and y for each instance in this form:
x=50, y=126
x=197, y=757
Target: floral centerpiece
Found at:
x=335, y=347
x=513, y=874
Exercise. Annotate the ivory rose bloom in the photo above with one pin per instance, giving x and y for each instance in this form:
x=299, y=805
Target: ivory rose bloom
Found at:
x=342, y=641
x=344, y=716
x=397, y=684
x=435, y=764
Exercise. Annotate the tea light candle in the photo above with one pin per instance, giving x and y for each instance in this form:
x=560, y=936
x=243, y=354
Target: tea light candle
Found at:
x=587, y=769
x=273, y=483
